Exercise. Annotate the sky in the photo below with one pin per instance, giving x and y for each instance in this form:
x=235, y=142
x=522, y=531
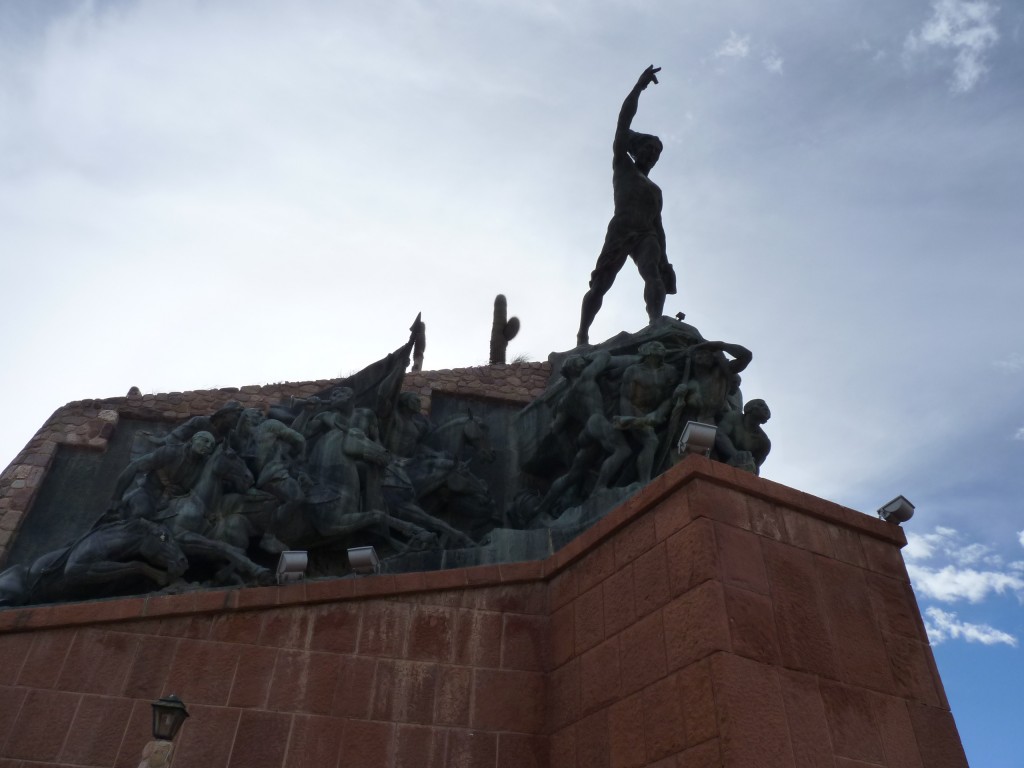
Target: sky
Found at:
x=217, y=193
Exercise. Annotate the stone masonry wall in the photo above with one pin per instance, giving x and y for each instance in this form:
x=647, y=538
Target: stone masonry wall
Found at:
x=90, y=423
x=714, y=619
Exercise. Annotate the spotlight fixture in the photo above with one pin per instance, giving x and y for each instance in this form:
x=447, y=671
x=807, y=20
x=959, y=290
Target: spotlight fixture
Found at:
x=363, y=559
x=291, y=566
x=897, y=511
x=168, y=715
x=697, y=438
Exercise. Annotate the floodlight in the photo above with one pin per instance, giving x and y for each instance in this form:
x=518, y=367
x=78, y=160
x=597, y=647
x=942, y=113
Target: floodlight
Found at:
x=897, y=511
x=291, y=566
x=363, y=559
x=697, y=438
x=168, y=715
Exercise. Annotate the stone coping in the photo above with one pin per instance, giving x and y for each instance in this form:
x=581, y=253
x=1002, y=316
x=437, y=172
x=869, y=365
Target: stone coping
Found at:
x=726, y=493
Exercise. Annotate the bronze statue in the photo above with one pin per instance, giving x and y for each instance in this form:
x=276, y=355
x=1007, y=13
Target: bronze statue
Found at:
x=645, y=403
x=740, y=441
x=635, y=229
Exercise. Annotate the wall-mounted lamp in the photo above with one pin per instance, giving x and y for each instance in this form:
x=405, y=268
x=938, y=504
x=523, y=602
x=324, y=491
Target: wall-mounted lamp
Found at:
x=169, y=714
x=363, y=559
x=291, y=566
x=697, y=438
x=897, y=511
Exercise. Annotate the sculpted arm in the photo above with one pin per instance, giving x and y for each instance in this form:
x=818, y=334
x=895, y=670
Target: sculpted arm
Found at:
x=628, y=111
x=142, y=465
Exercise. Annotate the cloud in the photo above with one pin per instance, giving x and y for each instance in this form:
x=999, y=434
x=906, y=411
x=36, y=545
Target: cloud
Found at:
x=734, y=47
x=942, y=626
x=951, y=583
x=1013, y=363
x=1019, y=434
x=1020, y=537
x=971, y=571
x=964, y=27
x=773, y=63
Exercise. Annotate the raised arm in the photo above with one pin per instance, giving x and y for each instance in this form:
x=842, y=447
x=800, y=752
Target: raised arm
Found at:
x=629, y=107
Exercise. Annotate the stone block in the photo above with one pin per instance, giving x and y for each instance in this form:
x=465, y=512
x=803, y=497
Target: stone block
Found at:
x=524, y=642
x=752, y=716
x=692, y=557
x=599, y=676
x=593, y=741
x=304, y=682
x=808, y=726
x=851, y=722
x=314, y=742
x=470, y=749
x=384, y=628
x=563, y=696
x=937, y=737
x=804, y=638
x=858, y=643
x=236, y=627
x=626, y=745
x=261, y=740
x=710, y=500
x=42, y=715
x=11, y=700
x=635, y=539
x=807, y=532
x=739, y=553
x=650, y=580
x=589, y=618
x=368, y=743
x=642, y=658
x=96, y=731
x=354, y=691
x=596, y=566
x=671, y=515
x=336, y=628
x=508, y=700
x=286, y=628
x=46, y=658
x=563, y=632
x=253, y=675
x=664, y=726
x=202, y=672
x=706, y=755
x=562, y=748
x=912, y=674
x=14, y=649
x=697, y=694
x=98, y=662
x=752, y=625
x=418, y=746
x=431, y=633
x=896, y=731
x=478, y=638
x=452, y=700
x=403, y=691
x=695, y=625
x=516, y=750
x=562, y=589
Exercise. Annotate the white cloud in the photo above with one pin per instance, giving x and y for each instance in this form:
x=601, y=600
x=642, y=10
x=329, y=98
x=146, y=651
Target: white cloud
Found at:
x=1020, y=537
x=922, y=546
x=942, y=626
x=1019, y=434
x=734, y=47
x=951, y=583
x=964, y=27
x=773, y=63
x=1011, y=363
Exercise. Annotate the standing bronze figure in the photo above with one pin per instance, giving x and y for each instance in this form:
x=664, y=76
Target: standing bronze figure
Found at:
x=635, y=229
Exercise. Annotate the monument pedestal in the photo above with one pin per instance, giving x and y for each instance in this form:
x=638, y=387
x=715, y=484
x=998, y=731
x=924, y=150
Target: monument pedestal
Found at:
x=715, y=618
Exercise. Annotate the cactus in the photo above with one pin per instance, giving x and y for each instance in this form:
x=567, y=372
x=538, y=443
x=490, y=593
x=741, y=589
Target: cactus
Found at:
x=419, y=336
x=503, y=329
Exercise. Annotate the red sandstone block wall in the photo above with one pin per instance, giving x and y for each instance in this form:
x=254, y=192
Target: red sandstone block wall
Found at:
x=715, y=619
x=734, y=629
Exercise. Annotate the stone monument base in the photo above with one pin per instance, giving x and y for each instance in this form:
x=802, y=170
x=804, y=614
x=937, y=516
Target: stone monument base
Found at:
x=714, y=618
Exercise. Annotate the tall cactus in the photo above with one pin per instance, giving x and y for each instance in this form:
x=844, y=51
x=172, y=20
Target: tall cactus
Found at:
x=419, y=335
x=503, y=329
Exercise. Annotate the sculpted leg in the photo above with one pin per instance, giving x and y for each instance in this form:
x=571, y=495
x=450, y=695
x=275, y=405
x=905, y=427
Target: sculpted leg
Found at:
x=648, y=258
